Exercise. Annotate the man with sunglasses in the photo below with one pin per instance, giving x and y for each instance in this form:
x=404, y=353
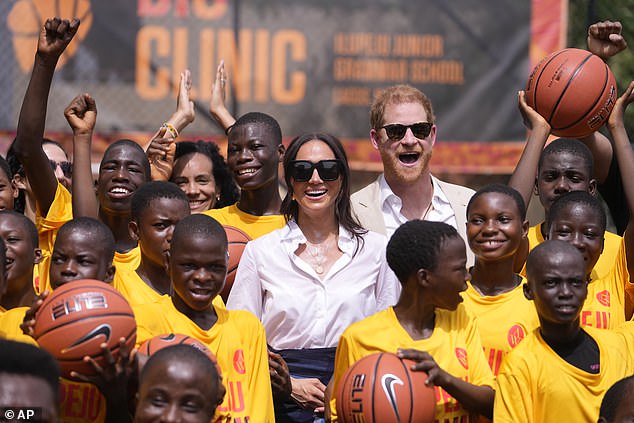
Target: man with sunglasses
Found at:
x=404, y=133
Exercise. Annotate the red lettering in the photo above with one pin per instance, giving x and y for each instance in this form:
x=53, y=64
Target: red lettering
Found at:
x=71, y=399
x=584, y=318
x=94, y=403
x=597, y=319
x=236, y=396
x=495, y=359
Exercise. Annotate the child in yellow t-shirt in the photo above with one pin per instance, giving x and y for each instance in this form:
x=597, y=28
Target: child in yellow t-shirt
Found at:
x=616, y=406
x=496, y=226
x=561, y=370
x=197, y=267
x=428, y=324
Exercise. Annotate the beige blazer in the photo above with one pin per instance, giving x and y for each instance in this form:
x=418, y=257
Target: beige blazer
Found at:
x=366, y=208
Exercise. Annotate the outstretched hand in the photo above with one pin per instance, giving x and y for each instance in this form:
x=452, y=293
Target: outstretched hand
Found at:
x=605, y=39
x=184, y=105
x=616, y=117
x=219, y=90
x=532, y=119
x=161, y=153
x=81, y=114
x=55, y=35
x=426, y=363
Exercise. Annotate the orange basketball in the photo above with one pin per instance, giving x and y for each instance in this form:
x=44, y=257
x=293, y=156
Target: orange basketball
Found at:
x=237, y=240
x=381, y=388
x=80, y=316
x=574, y=90
x=159, y=342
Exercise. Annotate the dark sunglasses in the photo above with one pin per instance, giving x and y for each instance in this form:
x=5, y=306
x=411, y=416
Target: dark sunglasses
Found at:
x=396, y=131
x=67, y=167
x=302, y=170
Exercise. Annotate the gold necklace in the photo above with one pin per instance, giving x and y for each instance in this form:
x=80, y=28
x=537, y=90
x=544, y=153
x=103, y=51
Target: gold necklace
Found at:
x=316, y=251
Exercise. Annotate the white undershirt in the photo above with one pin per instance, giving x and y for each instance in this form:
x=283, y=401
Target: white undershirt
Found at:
x=391, y=204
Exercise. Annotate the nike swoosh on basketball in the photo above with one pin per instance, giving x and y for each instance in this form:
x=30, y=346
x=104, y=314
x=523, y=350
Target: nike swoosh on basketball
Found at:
x=387, y=382
x=103, y=329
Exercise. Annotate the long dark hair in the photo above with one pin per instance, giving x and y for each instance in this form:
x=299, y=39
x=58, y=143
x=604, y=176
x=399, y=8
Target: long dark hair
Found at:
x=343, y=211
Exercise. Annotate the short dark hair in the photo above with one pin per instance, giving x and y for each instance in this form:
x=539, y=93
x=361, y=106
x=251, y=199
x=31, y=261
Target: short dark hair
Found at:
x=572, y=146
x=27, y=224
x=501, y=189
x=547, y=248
x=228, y=190
x=263, y=119
x=198, y=224
x=18, y=358
x=142, y=198
x=182, y=352
x=87, y=225
x=145, y=163
x=343, y=210
x=576, y=197
x=416, y=245
x=614, y=396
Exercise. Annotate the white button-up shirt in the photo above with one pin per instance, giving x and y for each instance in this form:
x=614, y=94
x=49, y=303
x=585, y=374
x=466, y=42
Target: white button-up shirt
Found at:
x=391, y=204
x=296, y=307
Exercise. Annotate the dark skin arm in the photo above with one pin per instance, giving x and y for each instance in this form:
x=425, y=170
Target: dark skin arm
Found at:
x=54, y=36
x=525, y=174
x=472, y=397
x=81, y=115
x=625, y=157
x=112, y=379
x=280, y=377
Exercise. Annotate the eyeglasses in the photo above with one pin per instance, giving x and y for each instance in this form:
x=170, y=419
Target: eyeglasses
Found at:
x=67, y=167
x=396, y=131
x=302, y=170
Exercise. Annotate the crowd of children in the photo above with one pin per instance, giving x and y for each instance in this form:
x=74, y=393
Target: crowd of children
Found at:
x=536, y=329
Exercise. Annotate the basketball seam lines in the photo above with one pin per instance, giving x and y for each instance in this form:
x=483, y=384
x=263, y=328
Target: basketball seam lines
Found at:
x=563, y=92
x=605, y=84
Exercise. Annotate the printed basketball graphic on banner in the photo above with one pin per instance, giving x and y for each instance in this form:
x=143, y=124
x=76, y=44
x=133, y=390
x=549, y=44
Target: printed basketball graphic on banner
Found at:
x=515, y=335
x=461, y=355
x=27, y=17
x=604, y=298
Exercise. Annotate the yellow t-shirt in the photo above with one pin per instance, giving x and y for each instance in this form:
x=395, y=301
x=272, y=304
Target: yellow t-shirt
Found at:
x=237, y=340
x=127, y=261
x=605, y=306
x=254, y=226
x=10, y=322
x=454, y=344
x=503, y=321
x=607, y=259
x=536, y=385
x=60, y=212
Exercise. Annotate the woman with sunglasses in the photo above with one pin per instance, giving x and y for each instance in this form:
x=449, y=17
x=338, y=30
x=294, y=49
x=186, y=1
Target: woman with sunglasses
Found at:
x=311, y=279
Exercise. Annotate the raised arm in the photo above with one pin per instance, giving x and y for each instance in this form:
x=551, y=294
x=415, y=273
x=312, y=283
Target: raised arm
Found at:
x=81, y=115
x=605, y=39
x=523, y=177
x=217, y=106
x=625, y=158
x=54, y=36
x=185, y=112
